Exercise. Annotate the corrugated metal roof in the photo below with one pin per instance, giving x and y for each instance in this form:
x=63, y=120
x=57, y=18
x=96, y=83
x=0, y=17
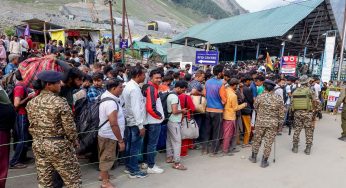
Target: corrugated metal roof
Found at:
x=263, y=24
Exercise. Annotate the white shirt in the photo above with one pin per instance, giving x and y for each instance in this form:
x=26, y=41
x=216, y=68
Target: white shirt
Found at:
x=105, y=109
x=134, y=105
x=15, y=47
x=279, y=91
x=317, y=89
x=24, y=44
x=289, y=89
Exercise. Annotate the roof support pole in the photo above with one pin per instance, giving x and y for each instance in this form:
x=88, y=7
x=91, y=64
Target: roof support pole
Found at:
x=186, y=41
x=342, y=46
x=258, y=49
x=235, y=54
x=283, y=49
x=305, y=50
x=45, y=37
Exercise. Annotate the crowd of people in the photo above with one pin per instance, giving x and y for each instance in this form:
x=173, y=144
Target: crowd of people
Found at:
x=142, y=110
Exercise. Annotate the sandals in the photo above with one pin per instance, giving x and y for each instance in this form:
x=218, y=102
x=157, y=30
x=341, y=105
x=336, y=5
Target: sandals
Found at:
x=169, y=160
x=179, y=166
x=18, y=166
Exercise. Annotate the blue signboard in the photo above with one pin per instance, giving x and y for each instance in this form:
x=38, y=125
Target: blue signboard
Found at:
x=124, y=44
x=207, y=57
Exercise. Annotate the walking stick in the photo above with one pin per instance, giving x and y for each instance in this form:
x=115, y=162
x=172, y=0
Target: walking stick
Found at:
x=274, y=149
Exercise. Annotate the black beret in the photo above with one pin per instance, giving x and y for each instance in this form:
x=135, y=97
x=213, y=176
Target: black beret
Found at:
x=50, y=76
x=269, y=82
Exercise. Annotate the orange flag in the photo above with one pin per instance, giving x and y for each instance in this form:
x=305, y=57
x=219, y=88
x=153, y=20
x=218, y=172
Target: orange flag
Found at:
x=269, y=62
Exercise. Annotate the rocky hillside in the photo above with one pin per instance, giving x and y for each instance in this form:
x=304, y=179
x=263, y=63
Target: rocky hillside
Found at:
x=179, y=13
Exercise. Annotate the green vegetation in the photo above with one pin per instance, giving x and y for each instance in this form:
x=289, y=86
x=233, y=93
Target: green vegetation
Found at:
x=9, y=31
x=207, y=8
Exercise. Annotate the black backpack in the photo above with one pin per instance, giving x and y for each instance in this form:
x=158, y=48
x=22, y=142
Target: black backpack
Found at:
x=163, y=97
x=88, y=122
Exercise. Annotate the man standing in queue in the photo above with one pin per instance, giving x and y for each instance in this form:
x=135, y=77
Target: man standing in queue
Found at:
x=54, y=134
x=270, y=114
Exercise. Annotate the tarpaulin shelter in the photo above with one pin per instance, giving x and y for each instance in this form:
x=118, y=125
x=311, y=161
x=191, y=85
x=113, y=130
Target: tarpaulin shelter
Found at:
x=37, y=28
x=63, y=34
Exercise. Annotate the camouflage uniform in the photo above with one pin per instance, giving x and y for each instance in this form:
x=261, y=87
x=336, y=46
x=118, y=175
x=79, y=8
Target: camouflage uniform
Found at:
x=305, y=119
x=270, y=114
x=54, y=132
x=342, y=100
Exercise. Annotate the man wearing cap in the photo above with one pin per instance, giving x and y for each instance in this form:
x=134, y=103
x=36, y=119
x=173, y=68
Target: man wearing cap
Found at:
x=270, y=114
x=54, y=134
x=303, y=117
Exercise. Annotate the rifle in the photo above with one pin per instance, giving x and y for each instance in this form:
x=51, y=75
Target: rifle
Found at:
x=289, y=119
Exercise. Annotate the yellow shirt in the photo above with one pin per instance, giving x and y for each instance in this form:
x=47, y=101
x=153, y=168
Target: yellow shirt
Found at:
x=231, y=106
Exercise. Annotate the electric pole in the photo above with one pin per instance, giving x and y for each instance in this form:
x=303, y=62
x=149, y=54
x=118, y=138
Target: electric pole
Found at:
x=342, y=45
x=110, y=3
x=123, y=33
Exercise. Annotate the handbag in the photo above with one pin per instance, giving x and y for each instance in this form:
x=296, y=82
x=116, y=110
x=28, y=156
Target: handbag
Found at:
x=189, y=128
x=200, y=103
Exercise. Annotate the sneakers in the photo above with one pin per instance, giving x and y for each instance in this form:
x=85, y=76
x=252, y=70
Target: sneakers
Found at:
x=138, y=174
x=127, y=171
x=155, y=170
x=144, y=166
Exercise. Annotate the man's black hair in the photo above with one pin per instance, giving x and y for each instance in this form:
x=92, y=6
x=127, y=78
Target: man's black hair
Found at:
x=106, y=69
x=260, y=78
x=247, y=77
x=168, y=77
x=97, y=76
x=87, y=78
x=188, y=77
x=73, y=73
x=181, y=84
x=136, y=71
x=217, y=70
x=155, y=71
x=268, y=87
x=113, y=83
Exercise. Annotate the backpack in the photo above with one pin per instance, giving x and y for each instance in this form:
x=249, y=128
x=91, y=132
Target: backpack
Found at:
x=164, y=97
x=302, y=99
x=9, y=83
x=88, y=122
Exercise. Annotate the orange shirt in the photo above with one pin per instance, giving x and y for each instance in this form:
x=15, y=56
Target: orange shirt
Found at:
x=231, y=106
x=163, y=88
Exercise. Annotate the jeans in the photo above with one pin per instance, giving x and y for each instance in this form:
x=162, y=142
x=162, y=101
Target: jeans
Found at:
x=213, y=131
x=133, y=145
x=150, y=142
x=200, y=120
x=22, y=134
x=91, y=57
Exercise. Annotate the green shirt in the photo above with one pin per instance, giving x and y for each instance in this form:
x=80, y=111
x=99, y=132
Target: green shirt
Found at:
x=173, y=99
x=260, y=90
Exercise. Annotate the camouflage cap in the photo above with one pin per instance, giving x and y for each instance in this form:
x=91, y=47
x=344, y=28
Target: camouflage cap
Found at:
x=304, y=79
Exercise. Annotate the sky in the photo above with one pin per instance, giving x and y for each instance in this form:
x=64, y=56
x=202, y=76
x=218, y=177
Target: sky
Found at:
x=257, y=5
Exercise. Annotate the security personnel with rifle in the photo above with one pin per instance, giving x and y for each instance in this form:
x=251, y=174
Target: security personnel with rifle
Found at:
x=303, y=106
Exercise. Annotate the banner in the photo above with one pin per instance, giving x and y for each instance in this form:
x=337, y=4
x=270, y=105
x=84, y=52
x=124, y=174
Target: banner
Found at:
x=332, y=98
x=328, y=59
x=288, y=65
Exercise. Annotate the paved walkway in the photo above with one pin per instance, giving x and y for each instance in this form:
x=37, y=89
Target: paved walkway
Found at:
x=325, y=167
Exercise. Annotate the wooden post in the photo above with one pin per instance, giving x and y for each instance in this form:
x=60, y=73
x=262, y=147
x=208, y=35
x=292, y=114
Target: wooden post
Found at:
x=123, y=33
x=112, y=26
x=45, y=37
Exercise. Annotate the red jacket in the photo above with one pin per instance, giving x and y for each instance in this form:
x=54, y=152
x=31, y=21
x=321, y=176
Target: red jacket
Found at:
x=190, y=106
x=152, y=94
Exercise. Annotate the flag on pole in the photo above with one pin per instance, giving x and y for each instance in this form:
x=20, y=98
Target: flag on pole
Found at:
x=27, y=31
x=269, y=62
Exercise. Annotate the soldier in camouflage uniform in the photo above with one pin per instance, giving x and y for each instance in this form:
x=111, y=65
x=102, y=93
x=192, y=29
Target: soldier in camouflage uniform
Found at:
x=305, y=119
x=270, y=114
x=342, y=100
x=54, y=134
